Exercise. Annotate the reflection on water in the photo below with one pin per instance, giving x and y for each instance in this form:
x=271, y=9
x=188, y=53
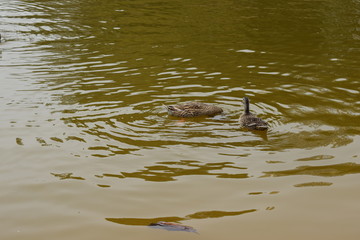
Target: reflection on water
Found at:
x=313, y=184
x=317, y=157
x=83, y=86
x=170, y=171
x=63, y=176
x=197, y=215
x=324, y=171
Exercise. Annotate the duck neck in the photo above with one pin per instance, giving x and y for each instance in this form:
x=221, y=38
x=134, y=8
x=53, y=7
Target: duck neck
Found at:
x=246, y=106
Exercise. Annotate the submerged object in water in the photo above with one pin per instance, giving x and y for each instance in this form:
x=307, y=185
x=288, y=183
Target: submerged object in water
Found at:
x=172, y=227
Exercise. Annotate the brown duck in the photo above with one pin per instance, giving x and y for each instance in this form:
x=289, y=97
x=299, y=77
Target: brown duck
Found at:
x=193, y=109
x=249, y=120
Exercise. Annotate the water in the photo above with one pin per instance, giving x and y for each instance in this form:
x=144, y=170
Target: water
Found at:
x=88, y=150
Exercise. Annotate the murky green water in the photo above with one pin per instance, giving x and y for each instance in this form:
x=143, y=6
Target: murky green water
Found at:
x=88, y=151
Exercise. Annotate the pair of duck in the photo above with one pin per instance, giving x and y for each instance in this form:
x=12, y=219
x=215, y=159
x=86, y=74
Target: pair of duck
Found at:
x=195, y=109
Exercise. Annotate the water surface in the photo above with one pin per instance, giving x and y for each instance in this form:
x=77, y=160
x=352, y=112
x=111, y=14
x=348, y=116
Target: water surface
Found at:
x=88, y=150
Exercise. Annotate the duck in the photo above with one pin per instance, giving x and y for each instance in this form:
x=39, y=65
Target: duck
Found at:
x=251, y=121
x=193, y=109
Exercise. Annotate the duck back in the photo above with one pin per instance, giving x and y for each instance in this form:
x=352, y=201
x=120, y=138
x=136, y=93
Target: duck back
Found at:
x=251, y=121
x=193, y=109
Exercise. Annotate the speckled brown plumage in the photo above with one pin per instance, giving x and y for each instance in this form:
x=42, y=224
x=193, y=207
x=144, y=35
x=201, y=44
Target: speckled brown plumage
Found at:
x=249, y=120
x=193, y=109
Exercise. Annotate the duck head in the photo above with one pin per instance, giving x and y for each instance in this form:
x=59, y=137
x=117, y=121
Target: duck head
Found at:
x=246, y=104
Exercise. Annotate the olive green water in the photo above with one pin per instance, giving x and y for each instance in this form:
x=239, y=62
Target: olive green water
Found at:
x=88, y=151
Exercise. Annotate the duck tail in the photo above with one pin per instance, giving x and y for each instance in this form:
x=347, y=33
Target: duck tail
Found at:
x=265, y=127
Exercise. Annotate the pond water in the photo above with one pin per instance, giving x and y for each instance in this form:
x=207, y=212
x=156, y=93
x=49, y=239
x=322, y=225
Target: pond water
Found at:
x=88, y=150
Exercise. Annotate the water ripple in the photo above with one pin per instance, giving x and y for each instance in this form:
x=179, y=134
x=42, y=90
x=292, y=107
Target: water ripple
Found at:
x=95, y=87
